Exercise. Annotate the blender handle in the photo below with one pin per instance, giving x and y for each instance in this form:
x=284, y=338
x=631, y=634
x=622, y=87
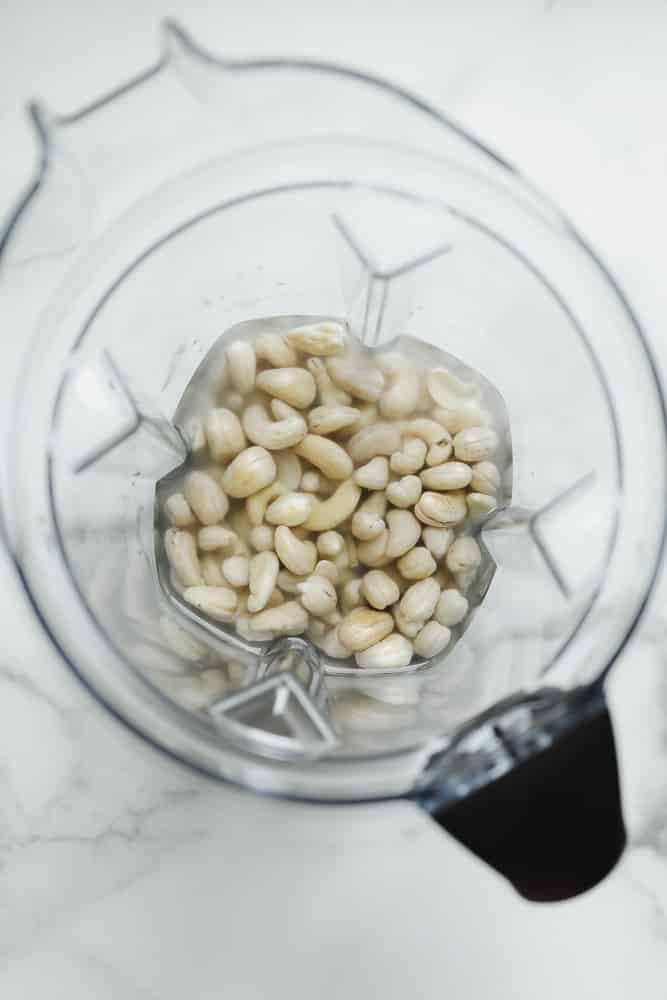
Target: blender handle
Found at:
x=553, y=824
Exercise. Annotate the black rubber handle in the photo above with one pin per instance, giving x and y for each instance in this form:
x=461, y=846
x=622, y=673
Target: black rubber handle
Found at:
x=553, y=825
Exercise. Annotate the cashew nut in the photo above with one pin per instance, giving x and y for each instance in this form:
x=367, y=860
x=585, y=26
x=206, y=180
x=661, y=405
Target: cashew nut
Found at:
x=359, y=380
x=326, y=455
x=295, y=386
x=290, y=618
x=376, y=439
x=299, y=557
x=329, y=393
x=319, y=339
x=399, y=399
x=273, y=435
x=363, y=627
x=392, y=652
x=262, y=576
x=224, y=434
x=181, y=552
x=374, y=475
x=249, y=472
x=275, y=350
x=178, y=511
x=410, y=458
x=332, y=512
x=289, y=469
x=242, y=366
x=331, y=418
x=205, y=497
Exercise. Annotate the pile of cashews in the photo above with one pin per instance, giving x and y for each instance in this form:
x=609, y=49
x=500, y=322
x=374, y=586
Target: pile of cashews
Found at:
x=330, y=494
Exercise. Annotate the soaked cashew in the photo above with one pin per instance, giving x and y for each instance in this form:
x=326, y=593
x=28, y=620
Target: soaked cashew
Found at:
x=329, y=393
x=363, y=627
x=374, y=552
x=359, y=380
x=475, y=444
x=194, y=435
x=290, y=618
x=224, y=434
x=419, y=601
x=330, y=544
x=374, y=440
x=318, y=595
x=262, y=577
x=404, y=532
x=217, y=537
x=352, y=595
x=261, y=538
x=273, y=434
x=430, y=431
x=374, y=475
x=463, y=555
x=392, y=652
x=449, y=476
x=235, y=570
x=291, y=509
x=218, y=603
x=327, y=456
x=299, y=557
x=442, y=510
x=249, y=472
x=256, y=505
x=432, y=639
x=312, y=482
x=485, y=478
x=439, y=453
x=410, y=458
x=405, y=626
x=331, y=418
x=328, y=569
x=211, y=571
x=275, y=350
x=437, y=541
x=295, y=386
x=452, y=607
x=379, y=589
x=289, y=469
x=205, y=497
x=376, y=503
x=367, y=525
x=319, y=339
x=405, y=492
x=400, y=397
x=480, y=503
x=179, y=512
x=332, y=512
x=181, y=551
x=457, y=418
x=448, y=390
x=332, y=646
x=242, y=366
x=416, y=564
x=368, y=414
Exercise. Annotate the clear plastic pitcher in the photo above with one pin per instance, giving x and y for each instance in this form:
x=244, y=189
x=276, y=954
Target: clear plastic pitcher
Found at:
x=208, y=193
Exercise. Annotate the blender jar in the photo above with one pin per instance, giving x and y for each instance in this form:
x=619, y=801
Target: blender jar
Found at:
x=207, y=193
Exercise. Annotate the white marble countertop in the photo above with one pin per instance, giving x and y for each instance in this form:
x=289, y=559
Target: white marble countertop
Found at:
x=123, y=876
